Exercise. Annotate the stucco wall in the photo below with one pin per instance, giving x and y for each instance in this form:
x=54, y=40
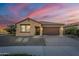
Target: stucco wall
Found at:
x=61, y=30
x=32, y=31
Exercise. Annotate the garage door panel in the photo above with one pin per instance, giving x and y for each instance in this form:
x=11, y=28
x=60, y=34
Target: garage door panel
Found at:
x=51, y=30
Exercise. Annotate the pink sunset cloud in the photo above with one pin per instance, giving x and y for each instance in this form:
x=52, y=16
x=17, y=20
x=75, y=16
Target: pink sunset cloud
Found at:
x=50, y=12
x=44, y=9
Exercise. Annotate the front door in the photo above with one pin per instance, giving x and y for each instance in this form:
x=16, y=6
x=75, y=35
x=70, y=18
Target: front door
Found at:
x=37, y=30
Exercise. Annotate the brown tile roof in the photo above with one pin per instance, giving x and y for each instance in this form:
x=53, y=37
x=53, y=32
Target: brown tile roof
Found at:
x=46, y=22
x=41, y=22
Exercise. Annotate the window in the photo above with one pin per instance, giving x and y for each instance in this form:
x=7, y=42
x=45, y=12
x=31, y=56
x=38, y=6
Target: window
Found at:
x=25, y=28
x=28, y=28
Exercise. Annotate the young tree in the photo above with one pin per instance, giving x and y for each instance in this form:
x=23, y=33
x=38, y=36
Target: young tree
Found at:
x=11, y=29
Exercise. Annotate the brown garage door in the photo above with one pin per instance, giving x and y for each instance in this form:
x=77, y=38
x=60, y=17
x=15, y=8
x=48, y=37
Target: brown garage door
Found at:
x=51, y=30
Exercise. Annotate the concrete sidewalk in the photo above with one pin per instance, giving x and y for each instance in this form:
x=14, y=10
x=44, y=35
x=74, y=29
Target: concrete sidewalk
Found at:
x=42, y=50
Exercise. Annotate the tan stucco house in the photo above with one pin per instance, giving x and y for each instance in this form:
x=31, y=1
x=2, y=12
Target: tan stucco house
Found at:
x=31, y=27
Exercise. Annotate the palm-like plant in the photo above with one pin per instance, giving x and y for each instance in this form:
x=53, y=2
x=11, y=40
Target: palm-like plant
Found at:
x=11, y=29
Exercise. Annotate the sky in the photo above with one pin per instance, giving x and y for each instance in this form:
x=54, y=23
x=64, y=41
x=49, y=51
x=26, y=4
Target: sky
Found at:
x=53, y=12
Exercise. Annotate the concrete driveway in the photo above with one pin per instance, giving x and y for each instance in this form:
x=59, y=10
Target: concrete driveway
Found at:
x=61, y=46
x=54, y=46
x=60, y=41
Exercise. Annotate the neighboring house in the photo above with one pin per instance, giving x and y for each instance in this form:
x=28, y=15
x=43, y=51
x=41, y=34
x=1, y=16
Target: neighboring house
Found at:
x=73, y=24
x=76, y=25
x=3, y=31
x=31, y=27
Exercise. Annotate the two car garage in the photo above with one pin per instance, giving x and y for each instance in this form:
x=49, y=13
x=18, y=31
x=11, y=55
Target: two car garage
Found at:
x=51, y=30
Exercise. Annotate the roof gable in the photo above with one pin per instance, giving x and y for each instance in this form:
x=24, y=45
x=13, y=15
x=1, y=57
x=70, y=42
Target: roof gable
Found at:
x=27, y=19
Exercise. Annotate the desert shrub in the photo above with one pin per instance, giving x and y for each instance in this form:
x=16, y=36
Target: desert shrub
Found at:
x=71, y=30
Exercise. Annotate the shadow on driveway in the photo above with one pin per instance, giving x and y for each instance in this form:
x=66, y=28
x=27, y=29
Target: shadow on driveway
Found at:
x=19, y=41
